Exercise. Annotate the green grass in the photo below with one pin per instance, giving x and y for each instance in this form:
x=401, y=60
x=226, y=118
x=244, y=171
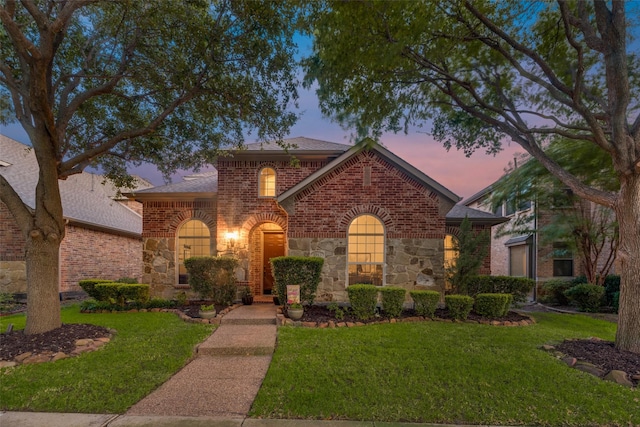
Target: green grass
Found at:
x=442, y=373
x=147, y=349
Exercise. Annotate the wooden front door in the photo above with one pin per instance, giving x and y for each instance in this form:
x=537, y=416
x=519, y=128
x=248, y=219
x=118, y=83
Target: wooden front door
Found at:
x=273, y=247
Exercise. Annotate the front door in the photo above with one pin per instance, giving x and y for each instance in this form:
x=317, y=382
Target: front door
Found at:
x=273, y=247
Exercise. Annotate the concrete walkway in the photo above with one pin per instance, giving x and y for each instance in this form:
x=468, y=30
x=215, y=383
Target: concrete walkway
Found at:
x=224, y=378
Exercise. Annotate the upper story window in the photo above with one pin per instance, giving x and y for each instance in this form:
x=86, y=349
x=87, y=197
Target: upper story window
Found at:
x=366, y=251
x=267, y=182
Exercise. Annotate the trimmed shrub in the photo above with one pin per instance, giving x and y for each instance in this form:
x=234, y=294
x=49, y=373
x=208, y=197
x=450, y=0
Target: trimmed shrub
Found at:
x=459, y=306
x=122, y=292
x=297, y=270
x=134, y=292
x=553, y=291
x=492, y=305
x=213, y=278
x=519, y=287
x=363, y=299
x=129, y=280
x=426, y=302
x=586, y=297
x=392, y=300
x=89, y=285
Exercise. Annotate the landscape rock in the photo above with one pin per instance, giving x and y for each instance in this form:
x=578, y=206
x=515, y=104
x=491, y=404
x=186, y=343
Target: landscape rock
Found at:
x=570, y=361
x=619, y=377
x=19, y=358
x=590, y=369
x=7, y=364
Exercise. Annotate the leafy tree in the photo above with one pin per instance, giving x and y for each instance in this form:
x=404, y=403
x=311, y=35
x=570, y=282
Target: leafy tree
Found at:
x=472, y=248
x=587, y=229
x=486, y=71
x=111, y=83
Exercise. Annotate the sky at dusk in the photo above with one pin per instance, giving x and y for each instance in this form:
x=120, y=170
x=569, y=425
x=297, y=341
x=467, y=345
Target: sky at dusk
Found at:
x=464, y=176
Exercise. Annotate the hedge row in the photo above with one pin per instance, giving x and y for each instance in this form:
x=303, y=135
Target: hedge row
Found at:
x=115, y=292
x=519, y=287
x=425, y=302
x=492, y=305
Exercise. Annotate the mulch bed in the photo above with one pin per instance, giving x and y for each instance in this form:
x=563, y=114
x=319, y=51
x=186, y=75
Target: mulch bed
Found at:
x=61, y=339
x=602, y=354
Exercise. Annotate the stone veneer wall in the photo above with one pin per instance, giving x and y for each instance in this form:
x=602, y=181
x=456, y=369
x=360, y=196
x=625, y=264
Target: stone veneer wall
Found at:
x=410, y=263
x=160, y=225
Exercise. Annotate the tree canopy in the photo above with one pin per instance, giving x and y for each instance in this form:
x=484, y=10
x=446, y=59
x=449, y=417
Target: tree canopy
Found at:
x=112, y=83
x=484, y=72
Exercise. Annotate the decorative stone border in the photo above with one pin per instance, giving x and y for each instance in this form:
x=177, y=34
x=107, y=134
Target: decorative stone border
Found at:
x=178, y=312
x=618, y=377
x=284, y=321
x=84, y=345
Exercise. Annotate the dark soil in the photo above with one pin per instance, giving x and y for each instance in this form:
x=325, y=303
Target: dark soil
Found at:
x=322, y=314
x=61, y=339
x=603, y=355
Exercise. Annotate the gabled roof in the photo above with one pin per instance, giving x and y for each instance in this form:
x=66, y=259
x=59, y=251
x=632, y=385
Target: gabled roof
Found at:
x=301, y=144
x=206, y=183
x=459, y=211
x=85, y=200
x=300, y=147
x=386, y=154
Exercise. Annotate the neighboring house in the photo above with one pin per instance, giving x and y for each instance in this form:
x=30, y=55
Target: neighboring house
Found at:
x=523, y=255
x=370, y=215
x=102, y=235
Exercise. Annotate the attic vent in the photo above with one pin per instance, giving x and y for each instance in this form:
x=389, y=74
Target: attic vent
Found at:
x=3, y=163
x=366, y=179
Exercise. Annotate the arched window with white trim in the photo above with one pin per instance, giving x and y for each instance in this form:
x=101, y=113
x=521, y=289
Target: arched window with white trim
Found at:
x=267, y=182
x=365, y=251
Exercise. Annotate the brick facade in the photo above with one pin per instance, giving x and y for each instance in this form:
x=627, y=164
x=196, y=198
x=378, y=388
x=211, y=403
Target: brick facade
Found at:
x=84, y=253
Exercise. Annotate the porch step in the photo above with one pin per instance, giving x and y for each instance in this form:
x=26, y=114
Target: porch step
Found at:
x=240, y=340
x=256, y=314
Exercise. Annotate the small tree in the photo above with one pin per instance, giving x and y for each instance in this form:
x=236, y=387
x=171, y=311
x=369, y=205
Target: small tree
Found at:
x=472, y=248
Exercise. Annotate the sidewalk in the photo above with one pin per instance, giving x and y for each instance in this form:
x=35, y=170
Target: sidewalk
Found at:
x=39, y=419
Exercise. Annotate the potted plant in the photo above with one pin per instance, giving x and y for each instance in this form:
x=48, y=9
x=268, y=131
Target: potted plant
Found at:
x=247, y=295
x=207, y=311
x=295, y=311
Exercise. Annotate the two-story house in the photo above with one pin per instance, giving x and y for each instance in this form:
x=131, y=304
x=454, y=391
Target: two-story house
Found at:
x=372, y=216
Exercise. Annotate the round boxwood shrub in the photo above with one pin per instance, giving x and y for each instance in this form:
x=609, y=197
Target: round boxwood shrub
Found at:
x=459, y=306
x=363, y=299
x=492, y=305
x=553, y=291
x=587, y=297
x=425, y=302
x=392, y=300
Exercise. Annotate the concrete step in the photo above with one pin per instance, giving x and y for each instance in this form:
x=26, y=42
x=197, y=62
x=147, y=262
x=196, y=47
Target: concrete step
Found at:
x=240, y=340
x=256, y=314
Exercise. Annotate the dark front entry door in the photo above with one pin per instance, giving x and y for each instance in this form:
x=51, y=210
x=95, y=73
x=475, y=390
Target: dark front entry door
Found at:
x=273, y=247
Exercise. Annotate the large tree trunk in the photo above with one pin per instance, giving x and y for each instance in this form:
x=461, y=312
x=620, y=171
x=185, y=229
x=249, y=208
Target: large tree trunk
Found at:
x=43, y=302
x=628, y=214
x=44, y=233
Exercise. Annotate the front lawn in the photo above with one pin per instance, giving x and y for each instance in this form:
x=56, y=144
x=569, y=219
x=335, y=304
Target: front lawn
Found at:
x=147, y=349
x=442, y=373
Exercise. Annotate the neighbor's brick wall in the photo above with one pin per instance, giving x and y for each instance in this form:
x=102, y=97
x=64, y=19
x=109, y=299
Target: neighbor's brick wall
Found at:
x=83, y=254
x=11, y=240
x=88, y=254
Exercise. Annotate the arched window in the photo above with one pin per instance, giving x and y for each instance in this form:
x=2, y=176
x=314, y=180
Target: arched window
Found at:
x=267, y=183
x=366, y=251
x=194, y=239
x=450, y=256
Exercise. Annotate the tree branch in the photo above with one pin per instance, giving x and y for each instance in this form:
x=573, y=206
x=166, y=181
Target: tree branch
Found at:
x=22, y=213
